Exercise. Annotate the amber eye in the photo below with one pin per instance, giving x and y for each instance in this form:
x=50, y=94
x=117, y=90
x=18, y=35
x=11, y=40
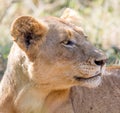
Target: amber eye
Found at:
x=86, y=36
x=68, y=43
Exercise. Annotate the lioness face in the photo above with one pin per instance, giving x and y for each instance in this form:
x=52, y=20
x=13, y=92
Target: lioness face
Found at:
x=59, y=54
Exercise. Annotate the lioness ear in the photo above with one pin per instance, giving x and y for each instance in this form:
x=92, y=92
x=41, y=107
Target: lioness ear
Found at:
x=27, y=32
x=71, y=16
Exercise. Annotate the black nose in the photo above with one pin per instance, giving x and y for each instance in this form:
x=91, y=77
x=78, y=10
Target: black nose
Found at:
x=100, y=62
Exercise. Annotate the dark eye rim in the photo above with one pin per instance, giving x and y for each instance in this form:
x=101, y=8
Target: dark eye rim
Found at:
x=68, y=43
x=86, y=37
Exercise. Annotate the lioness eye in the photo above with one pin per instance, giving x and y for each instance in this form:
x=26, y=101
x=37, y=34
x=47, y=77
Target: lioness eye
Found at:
x=86, y=36
x=68, y=43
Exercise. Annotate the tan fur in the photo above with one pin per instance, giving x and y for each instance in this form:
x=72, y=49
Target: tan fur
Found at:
x=47, y=58
x=103, y=99
x=72, y=16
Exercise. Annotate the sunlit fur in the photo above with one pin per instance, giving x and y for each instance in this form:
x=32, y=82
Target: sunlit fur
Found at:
x=42, y=66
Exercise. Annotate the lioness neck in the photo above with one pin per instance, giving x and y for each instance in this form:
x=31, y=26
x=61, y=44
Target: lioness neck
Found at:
x=23, y=94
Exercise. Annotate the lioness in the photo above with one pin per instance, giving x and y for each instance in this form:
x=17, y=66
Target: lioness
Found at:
x=103, y=99
x=47, y=58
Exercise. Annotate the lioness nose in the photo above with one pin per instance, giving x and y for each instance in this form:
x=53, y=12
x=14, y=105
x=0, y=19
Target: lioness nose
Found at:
x=100, y=62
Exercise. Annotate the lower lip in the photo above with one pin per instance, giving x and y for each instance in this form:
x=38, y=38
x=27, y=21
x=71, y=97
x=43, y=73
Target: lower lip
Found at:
x=81, y=78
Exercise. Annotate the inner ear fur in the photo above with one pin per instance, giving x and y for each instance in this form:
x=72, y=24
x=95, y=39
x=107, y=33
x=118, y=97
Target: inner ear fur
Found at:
x=28, y=32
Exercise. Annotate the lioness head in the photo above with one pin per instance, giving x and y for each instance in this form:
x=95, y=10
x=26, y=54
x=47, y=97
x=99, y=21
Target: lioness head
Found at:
x=57, y=53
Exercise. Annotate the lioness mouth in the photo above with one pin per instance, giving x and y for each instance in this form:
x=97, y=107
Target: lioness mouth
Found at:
x=82, y=78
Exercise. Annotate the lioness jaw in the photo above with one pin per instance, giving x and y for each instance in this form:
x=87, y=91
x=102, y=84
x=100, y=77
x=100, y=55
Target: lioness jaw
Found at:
x=99, y=99
x=48, y=57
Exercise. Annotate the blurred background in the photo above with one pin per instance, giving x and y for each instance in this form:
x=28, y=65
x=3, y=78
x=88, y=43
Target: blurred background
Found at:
x=99, y=18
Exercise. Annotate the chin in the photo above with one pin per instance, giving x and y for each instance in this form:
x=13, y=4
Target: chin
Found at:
x=92, y=83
